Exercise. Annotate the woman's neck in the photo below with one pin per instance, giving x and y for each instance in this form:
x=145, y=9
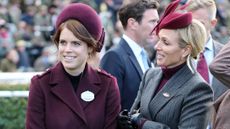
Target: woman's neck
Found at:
x=169, y=72
x=75, y=72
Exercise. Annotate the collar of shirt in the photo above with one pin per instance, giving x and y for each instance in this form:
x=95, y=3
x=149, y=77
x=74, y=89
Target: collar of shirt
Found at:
x=209, y=44
x=209, y=55
x=136, y=50
x=209, y=50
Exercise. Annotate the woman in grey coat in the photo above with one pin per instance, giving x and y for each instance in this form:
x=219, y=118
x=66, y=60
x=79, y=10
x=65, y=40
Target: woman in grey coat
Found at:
x=174, y=95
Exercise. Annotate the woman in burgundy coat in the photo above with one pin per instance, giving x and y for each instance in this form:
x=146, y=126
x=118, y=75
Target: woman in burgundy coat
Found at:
x=72, y=95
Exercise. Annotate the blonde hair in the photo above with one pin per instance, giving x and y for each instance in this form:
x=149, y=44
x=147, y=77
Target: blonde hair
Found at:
x=209, y=5
x=194, y=35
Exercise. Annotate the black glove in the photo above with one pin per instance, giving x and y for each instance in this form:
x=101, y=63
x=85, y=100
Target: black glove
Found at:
x=124, y=121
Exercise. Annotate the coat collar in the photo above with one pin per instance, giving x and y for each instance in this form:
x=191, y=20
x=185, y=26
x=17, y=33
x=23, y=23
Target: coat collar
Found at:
x=62, y=88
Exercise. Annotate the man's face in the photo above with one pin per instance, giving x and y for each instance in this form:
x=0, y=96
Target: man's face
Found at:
x=203, y=16
x=145, y=27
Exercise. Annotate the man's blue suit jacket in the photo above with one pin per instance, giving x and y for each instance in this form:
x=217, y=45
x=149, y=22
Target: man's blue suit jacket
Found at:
x=121, y=62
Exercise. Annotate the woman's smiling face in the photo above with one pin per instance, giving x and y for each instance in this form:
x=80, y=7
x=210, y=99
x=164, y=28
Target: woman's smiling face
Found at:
x=169, y=54
x=72, y=52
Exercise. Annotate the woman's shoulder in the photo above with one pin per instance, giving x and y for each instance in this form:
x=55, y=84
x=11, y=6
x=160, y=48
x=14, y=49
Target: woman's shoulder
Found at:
x=103, y=74
x=47, y=73
x=42, y=75
x=107, y=80
x=197, y=79
x=153, y=71
x=197, y=84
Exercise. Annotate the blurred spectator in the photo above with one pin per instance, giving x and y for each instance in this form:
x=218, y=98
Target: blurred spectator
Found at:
x=98, y=3
x=4, y=14
x=113, y=7
x=35, y=50
x=53, y=11
x=222, y=13
x=6, y=38
x=44, y=61
x=43, y=23
x=221, y=34
x=15, y=11
x=42, y=17
x=28, y=16
x=9, y=63
x=28, y=2
x=24, y=60
x=25, y=31
x=107, y=24
x=88, y=2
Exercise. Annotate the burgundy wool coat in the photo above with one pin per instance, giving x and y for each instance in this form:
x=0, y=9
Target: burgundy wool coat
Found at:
x=53, y=103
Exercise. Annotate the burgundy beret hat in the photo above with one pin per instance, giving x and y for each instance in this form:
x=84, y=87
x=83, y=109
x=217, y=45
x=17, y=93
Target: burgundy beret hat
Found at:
x=172, y=19
x=88, y=17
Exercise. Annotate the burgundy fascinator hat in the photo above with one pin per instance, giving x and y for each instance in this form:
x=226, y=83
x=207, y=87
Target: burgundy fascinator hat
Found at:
x=88, y=17
x=172, y=19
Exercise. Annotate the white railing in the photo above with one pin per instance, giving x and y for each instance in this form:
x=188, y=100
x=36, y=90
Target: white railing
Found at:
x=14, y=93
x=17, y=78
x=14, y=79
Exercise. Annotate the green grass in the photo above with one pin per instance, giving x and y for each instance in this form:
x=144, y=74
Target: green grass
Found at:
x=14, y=87
x=13, y=109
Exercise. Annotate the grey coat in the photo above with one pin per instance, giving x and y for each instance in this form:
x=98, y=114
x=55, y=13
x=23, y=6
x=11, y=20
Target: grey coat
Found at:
x=183, y=102
x=222, y=107
x=220, y=67
x=218, y=87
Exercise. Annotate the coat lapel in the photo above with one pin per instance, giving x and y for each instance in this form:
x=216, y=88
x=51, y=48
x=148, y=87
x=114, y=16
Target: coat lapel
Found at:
x=62, y=88
x=149, y=91
x=90, y=81
x=216, y=47
x=132, y=57
x=169, y=90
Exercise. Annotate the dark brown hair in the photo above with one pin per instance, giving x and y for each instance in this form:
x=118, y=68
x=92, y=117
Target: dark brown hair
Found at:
x=135, y=10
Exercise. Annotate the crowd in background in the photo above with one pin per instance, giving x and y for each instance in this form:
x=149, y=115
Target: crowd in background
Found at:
x=26, y=28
